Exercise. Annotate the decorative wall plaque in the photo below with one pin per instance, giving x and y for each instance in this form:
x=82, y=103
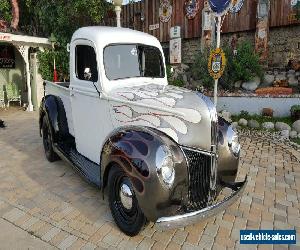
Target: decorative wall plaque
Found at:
x=191, y=8
x=7, y=57
x=154, y=26
x=216, y=63
x=236, y=6
x=165, y=11
x=175, y=51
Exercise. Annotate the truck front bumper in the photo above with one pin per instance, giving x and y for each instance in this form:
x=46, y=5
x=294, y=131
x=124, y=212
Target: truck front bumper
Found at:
x=183, y=220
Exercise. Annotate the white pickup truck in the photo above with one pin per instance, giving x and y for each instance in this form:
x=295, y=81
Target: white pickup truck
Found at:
x=161, y=151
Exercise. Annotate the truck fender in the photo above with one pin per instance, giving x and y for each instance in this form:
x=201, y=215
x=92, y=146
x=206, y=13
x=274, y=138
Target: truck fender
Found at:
x=134, y=150
x=53, y=107
x=227, y=162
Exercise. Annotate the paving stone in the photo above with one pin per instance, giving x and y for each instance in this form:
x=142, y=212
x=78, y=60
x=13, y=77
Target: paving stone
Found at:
x=50, y=234
x=146, y=243
x=13, y=214
x=78, y=244
x=112, y=239
x=56, y=240
x=125, y=244
x=89, y=246
x=29, y=223
x=187, y=246
x=67, y=242
x=211, y=230
x=206, y=241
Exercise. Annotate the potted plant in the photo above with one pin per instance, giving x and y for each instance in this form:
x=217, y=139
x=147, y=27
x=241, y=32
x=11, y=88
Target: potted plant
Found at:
x=295, y=112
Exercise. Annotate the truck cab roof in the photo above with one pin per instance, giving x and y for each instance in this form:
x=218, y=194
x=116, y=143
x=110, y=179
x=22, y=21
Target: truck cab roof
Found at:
x=102, y=36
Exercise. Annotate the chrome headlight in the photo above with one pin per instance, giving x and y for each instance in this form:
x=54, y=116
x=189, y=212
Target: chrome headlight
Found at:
x=233, y=142
x=165, y=165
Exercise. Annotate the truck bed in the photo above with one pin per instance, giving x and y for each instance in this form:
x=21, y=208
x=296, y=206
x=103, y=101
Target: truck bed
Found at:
x=61, y=90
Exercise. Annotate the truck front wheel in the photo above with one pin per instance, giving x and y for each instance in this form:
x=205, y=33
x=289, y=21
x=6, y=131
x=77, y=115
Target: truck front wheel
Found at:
x=123, y=203
x=47, y=142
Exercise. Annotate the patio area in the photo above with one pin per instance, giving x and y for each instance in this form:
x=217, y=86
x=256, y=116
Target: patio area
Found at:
x=53, y=203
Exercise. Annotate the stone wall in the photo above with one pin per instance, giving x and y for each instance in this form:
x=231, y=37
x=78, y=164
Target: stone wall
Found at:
x=284, y=44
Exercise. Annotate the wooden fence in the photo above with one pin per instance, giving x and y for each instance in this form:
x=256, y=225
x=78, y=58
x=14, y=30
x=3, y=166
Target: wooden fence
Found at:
x=142, y=14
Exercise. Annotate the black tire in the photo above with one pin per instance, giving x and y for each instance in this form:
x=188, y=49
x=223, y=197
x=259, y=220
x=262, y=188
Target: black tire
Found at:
x=48, y=141
x=130, y=221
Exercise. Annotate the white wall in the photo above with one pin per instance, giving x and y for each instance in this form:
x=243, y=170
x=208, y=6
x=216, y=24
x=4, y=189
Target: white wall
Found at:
x=254, y=105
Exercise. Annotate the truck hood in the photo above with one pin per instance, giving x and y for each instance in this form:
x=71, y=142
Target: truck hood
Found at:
x=182, y=114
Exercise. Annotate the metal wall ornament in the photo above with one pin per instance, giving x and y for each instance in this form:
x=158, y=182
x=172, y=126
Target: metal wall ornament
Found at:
x=192, y=8
x=216, y=63
x=219, y=7
x=165, y=11
x=236, y=6
x=294, y=3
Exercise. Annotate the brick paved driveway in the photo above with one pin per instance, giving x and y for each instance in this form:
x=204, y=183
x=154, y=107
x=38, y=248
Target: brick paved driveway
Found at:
x=52, y=202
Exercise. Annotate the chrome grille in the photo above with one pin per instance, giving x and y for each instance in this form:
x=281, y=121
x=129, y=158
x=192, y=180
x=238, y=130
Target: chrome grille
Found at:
x=200, y=174
x=214, y=133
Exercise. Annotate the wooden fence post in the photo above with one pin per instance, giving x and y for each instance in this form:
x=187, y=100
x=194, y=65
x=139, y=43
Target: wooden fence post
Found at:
x=262, y=30
x=207, y=27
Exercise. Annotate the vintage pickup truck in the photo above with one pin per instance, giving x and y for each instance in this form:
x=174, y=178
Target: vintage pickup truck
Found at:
x=161, y=151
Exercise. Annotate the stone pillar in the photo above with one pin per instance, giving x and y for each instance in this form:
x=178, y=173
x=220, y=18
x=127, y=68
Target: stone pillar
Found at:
x=262, y=30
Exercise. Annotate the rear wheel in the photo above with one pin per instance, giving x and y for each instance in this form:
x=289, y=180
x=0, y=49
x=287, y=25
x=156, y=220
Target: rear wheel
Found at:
x=123, y=203
x=47, y=142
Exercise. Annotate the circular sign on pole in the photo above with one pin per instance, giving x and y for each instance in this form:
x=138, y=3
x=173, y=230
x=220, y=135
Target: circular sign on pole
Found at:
x=236, y=6
x=219, y=7
x=165, y=11
x=191, y=8
x=216, y=63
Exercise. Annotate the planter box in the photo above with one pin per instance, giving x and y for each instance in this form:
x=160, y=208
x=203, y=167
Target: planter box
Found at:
x=254, y=104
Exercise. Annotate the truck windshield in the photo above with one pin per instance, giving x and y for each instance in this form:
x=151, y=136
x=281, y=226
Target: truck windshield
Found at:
x=132, y=60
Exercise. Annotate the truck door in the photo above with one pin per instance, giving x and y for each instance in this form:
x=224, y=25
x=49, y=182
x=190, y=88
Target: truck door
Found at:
x=90, y=112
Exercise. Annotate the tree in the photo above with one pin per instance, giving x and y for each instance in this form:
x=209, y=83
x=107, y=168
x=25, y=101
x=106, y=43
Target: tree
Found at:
x=15, y=14
x=9, y=13
x=62, y=18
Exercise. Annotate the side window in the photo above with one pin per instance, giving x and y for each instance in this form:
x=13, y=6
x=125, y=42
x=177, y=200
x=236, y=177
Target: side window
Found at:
x=86, y=63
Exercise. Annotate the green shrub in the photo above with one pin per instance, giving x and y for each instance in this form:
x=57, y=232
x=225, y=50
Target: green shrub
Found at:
x=176, y=82
x=295, y=108
x=246, y=63
x=169, y=71
x=199, y=69
x=62, y=64
x=244, y=66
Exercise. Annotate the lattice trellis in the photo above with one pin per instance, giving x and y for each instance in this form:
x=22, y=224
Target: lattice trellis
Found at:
x=23, y=51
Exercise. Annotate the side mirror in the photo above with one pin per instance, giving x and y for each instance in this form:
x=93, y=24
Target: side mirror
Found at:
x=87, y=74
x=68, y=47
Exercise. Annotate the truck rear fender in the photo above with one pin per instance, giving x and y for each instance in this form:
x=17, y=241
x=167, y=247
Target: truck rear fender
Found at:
x=134, y=150
x=53, y=107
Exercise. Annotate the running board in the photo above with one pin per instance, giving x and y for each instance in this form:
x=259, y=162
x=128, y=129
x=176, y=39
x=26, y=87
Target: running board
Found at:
x=88, y=169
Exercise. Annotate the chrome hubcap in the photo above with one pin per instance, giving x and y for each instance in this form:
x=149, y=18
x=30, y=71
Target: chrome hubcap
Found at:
x=126, y=196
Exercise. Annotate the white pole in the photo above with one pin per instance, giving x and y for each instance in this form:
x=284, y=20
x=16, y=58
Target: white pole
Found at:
x=27, y=68
x=118, y=13
x=219, y=21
